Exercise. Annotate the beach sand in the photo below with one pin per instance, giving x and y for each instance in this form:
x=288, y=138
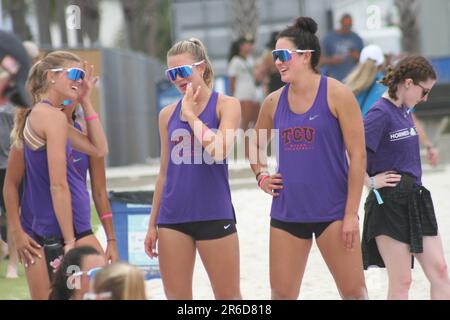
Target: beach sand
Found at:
x=252, y=211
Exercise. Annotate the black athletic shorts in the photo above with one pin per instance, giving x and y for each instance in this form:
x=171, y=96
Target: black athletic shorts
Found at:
x=41, y=240
x=301, y=230
x=204, y=230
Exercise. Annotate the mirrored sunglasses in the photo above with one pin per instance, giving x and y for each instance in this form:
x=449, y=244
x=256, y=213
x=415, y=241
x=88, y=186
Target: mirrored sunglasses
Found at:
x=285, y=54
x=72, y=73
x=182, y=71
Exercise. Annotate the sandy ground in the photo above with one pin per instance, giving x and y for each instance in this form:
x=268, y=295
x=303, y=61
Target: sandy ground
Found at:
x=253, y=231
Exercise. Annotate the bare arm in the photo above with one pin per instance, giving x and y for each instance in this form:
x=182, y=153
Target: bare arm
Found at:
x=258, y=146
x=55, y=131
x=219, y=143
x=13, y=178
x=345, y=107
x=27, y=248
x=102, y=205
x=93, y=143
x=263, y=128
x=232, y=85
x=432, y=152
x=152, y=234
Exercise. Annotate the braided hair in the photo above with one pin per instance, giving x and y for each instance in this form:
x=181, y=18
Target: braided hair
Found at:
x=416, y=68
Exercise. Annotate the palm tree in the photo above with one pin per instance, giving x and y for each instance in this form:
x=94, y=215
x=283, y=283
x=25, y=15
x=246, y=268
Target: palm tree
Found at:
x=245, y=17
x=409, y=25
x=43, y=17
x=61, y=17
x=140, y=22
x=17, y=9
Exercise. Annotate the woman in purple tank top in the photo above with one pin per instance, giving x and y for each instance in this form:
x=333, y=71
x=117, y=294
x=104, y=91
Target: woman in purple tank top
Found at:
x=316, y=121
x=192, y=207
x=54, y=189
x=399, y=221
x=22, y=223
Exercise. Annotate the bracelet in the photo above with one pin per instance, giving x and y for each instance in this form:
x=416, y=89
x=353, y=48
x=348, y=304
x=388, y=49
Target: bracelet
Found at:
x=372, y=183
x=260, y=182
x=90, y=118
x=261, y=172
x=106, y=215
x=205, y=130
x=111, y=239
x=69, y=241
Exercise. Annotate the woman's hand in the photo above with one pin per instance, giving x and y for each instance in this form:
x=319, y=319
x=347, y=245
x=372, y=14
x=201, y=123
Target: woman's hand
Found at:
x=350, y=231
x=27, y=248
x=386, y=179
x=432, y=156
x=150, y=242
x=189, y=100
x=111, y=253
x=270, y=183
x=69, y=246
x=87, y=84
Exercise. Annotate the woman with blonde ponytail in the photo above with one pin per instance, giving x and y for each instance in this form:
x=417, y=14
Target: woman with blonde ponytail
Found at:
x=119, y=281
x=196, y=135
x=53, y=187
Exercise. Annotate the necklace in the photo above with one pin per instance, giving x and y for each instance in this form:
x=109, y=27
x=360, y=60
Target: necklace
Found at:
x=47, y=102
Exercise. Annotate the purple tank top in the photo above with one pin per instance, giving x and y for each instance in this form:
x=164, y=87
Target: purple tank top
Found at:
x=80, y=159
x=197, y=190
x=39, y=198
x=312, y=161
x=26, y=215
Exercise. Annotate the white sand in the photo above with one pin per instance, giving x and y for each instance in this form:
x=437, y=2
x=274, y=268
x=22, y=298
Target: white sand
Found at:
x=252, y=210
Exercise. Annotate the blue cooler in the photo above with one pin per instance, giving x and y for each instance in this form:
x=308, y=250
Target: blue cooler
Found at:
x=131, y=214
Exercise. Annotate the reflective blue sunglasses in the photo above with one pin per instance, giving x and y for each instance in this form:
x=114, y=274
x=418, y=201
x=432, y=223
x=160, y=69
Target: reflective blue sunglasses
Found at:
x=182, y=71
x=72, y=73
x=285, y=54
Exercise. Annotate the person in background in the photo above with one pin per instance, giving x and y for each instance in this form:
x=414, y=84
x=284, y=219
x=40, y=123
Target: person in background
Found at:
x=241, y=73
x=14, y=66
x=341, y=49
x=118, y=281
x=265, y=70
x=199, y=215
x=400, y=221
x=315, y=192
x=72, y=278
x=364, y=81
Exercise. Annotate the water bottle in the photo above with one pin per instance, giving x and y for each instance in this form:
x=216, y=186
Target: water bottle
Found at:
x=54, y=253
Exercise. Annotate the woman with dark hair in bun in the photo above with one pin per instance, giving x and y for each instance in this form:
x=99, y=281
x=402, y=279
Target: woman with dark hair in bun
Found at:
x=316, y=121
x=399, y=221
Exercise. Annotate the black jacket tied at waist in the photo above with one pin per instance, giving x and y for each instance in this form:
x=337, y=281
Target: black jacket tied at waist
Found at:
x=406, y=215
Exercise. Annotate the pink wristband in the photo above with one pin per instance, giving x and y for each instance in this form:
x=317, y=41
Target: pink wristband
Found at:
x=106, y=215
x=90, y=118
x=205, y=129
x=262, y=180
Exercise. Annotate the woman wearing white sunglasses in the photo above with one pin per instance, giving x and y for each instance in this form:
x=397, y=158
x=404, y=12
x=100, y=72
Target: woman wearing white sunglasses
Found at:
x=54, y=189
x=192, y=207
x=315, y=191
x=74, y=276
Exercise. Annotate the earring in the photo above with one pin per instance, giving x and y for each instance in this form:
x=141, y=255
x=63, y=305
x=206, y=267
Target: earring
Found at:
x=53, y=81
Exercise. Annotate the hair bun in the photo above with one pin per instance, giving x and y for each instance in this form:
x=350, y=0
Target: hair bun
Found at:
x=306, y=24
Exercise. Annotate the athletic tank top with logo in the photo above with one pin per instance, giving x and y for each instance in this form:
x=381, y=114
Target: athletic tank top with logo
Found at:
x=312, y=161
x=38, y=197
x=26, y=215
